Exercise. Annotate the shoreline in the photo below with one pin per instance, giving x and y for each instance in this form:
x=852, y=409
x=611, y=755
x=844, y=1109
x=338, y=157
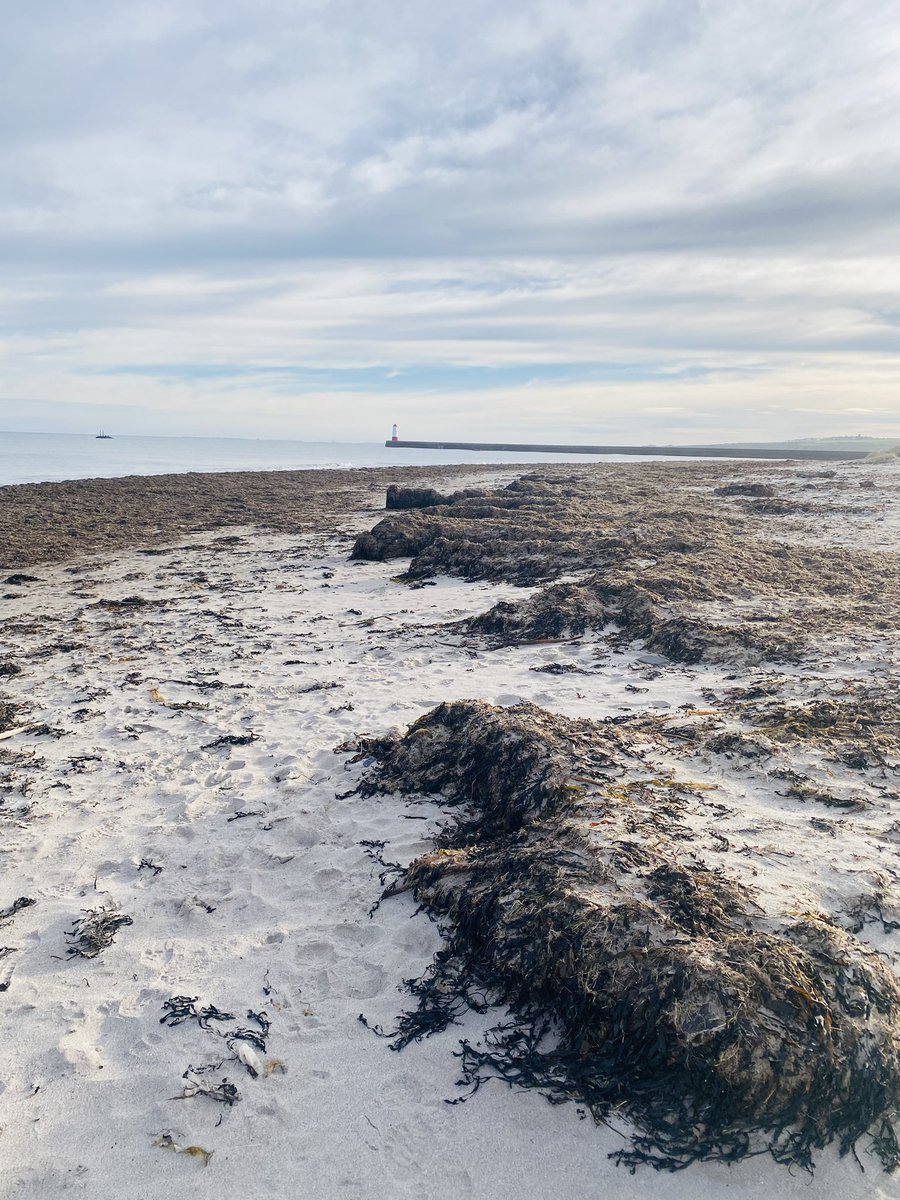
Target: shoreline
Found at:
x=58, y=520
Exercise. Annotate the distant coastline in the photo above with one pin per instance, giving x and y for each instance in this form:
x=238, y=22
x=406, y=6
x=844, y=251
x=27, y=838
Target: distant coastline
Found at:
x=46, y=457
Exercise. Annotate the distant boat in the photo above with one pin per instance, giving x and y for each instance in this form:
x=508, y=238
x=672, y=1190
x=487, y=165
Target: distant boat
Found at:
x=107, y=437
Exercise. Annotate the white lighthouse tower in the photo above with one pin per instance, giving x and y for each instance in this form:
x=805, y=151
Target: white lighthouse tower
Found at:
x=394, y=432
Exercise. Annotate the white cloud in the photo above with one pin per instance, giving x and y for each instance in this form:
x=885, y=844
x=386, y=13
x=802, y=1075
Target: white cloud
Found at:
x=662, y=201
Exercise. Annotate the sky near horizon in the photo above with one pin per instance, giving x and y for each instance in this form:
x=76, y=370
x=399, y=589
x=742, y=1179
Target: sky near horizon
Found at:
x=532, y=219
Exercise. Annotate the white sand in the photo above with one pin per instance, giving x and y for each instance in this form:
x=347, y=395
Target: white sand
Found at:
x=269, y=911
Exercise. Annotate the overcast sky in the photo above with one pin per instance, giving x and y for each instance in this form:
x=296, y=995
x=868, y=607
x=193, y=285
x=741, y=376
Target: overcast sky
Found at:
x=532, y=218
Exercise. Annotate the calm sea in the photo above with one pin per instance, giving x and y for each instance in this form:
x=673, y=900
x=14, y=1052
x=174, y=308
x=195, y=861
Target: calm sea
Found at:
x=38, y=457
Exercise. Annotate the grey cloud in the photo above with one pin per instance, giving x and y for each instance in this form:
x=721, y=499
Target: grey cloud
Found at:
x=283, y=141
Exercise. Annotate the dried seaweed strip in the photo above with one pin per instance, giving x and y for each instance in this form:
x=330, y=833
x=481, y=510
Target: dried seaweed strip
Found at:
x=231, y=739
x=16, y=906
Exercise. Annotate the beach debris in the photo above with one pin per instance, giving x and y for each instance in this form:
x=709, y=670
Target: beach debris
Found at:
x=246, y=1044
x=79, y=764
x=16, y=906
x=176, y=705
x=246, y=1054
x=870, y=907
x=16, y=730
x=18, y=579
x=803, y=792
x=374, y=849
x=44, y=730
x=146, y=864
x=8, y=668
x=557, y=668
x=165, y=1141
x=184, y=1008
x=777, y=506
x=823, y=826
x=637, y=980
x=231, y=739
x=95, y=930
x=195, y=1085
x=178, y=1009
x=261, y=1018
x=204, y=685
x=566, y=611
x=256, y=1037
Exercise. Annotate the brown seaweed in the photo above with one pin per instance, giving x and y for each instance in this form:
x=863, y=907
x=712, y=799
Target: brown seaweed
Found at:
x=638, y=981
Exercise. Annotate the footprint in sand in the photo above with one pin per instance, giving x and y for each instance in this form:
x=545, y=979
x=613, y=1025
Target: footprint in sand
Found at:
x=370, y=981
x=306, y=837
x=316, y=952
x=78, y=1048
x=327, y=877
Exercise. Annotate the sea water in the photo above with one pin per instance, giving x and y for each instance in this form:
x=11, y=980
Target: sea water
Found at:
x=41, y=457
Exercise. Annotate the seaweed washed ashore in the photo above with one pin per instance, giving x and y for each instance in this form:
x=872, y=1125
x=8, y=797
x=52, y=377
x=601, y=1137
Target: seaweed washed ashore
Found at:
x=639, y=981
x=189, y=865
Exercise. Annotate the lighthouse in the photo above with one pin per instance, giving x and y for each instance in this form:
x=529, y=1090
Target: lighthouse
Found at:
x=394, y=432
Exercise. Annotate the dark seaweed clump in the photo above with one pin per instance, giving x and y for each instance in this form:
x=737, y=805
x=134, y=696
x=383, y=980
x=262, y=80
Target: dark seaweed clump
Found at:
x=570, y=610
x=654, y=557
x=95, y=930
x=9, y=714
x=861, y=727
x=639, y=982
x=399, y=498
x=745, y=489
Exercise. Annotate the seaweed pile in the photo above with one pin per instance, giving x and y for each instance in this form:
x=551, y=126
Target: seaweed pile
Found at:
x=569, y=610
x=399, y=498
x=526, y=532
x=638, y=981
x=862, y=726
x=95, y=930
x=561, y=610
x=692, y=578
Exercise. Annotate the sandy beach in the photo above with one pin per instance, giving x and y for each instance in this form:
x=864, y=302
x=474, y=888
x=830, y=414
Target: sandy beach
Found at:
x=195, y=824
